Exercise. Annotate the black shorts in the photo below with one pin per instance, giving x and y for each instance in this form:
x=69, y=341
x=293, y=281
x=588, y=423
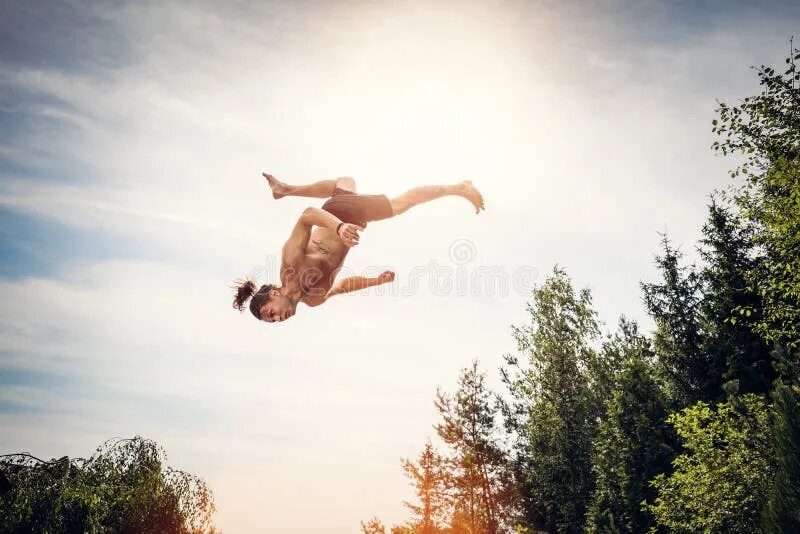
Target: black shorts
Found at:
x=358, y=209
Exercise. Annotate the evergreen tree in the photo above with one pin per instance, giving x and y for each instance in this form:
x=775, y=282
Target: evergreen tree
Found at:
x=429, y=478
x=551, y=411
x=373, y=526
x=705, y=342
x=633, y=443
x=674, y=304
x=483, y=496
x=782, y=513
x=728, y=337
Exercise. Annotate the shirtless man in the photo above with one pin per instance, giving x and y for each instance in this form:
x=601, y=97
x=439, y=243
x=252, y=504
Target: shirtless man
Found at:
x=310, y=259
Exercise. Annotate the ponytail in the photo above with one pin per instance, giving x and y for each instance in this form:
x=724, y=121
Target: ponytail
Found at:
x=243, y=289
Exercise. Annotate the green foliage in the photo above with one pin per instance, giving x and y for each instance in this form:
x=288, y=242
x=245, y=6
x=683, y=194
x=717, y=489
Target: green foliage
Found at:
x=706, y=317
x=551, y=412
x=720, y=482
x=633, y=444
x=782, y=513
x=596, y=441
x=729, y=337
x=675, y=305
x=123, y=487
x=765, y=131
x=605, y=366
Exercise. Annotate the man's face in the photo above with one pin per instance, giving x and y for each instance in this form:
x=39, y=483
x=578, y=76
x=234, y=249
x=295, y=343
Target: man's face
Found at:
x=277, y=308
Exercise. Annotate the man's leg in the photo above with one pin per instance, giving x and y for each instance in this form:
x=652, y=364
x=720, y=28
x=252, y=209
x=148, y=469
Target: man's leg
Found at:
x=426, y=193
x=321, y=189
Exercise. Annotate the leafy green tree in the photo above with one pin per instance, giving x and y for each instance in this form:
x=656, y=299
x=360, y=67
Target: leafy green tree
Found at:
x=604, y=367
x=123, y=487
x=720, y=482
x=484, y=500
x=782, y=513
x=551, y=411
x=764, y=131
x=429, y=478
x=633, y=443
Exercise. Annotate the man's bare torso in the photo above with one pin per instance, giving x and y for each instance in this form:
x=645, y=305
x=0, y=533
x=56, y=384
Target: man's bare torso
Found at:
x=314, y=272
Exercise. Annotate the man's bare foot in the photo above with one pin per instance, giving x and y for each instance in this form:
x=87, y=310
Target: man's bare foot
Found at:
x=279, y=189
x=471, y=193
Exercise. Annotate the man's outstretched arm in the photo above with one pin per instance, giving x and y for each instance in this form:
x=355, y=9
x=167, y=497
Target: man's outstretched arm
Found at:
x=355, y=283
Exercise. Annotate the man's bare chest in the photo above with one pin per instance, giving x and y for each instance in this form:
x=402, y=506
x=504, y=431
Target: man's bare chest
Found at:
x=315, y=275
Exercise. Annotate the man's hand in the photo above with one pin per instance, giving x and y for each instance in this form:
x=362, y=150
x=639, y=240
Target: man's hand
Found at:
x=385, y=277
x=348, y=233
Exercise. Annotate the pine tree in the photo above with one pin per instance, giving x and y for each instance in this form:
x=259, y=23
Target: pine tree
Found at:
x=429, y=478
x=373, y=526
x=706, y=317
x=674, y=305
x=551, y=412
x=730, y=309
x=483, y=498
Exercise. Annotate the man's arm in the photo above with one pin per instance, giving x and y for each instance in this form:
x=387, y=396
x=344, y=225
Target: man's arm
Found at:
x=298, y=240
x=355, y=283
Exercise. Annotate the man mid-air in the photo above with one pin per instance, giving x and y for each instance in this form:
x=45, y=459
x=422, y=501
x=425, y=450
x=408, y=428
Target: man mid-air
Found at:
x=311, y=260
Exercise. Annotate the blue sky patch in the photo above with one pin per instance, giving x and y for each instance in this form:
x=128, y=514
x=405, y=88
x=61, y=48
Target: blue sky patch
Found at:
x=32, y=246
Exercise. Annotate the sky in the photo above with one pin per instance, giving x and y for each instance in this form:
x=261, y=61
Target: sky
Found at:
x=132, y=139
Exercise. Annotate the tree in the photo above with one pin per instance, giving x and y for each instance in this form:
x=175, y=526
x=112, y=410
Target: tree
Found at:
x=728, y=337
x=782, y=513
x=674, y=304
x=483, y=495
x=123, y=487
x=429, y=478
x=604, y=367
x=373, y=526
x=551, y=411
x=720, y=482
x=764, y=130
x=633, y=443
x=706, y=316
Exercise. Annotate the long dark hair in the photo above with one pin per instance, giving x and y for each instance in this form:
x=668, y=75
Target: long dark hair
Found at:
x=244, y=289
